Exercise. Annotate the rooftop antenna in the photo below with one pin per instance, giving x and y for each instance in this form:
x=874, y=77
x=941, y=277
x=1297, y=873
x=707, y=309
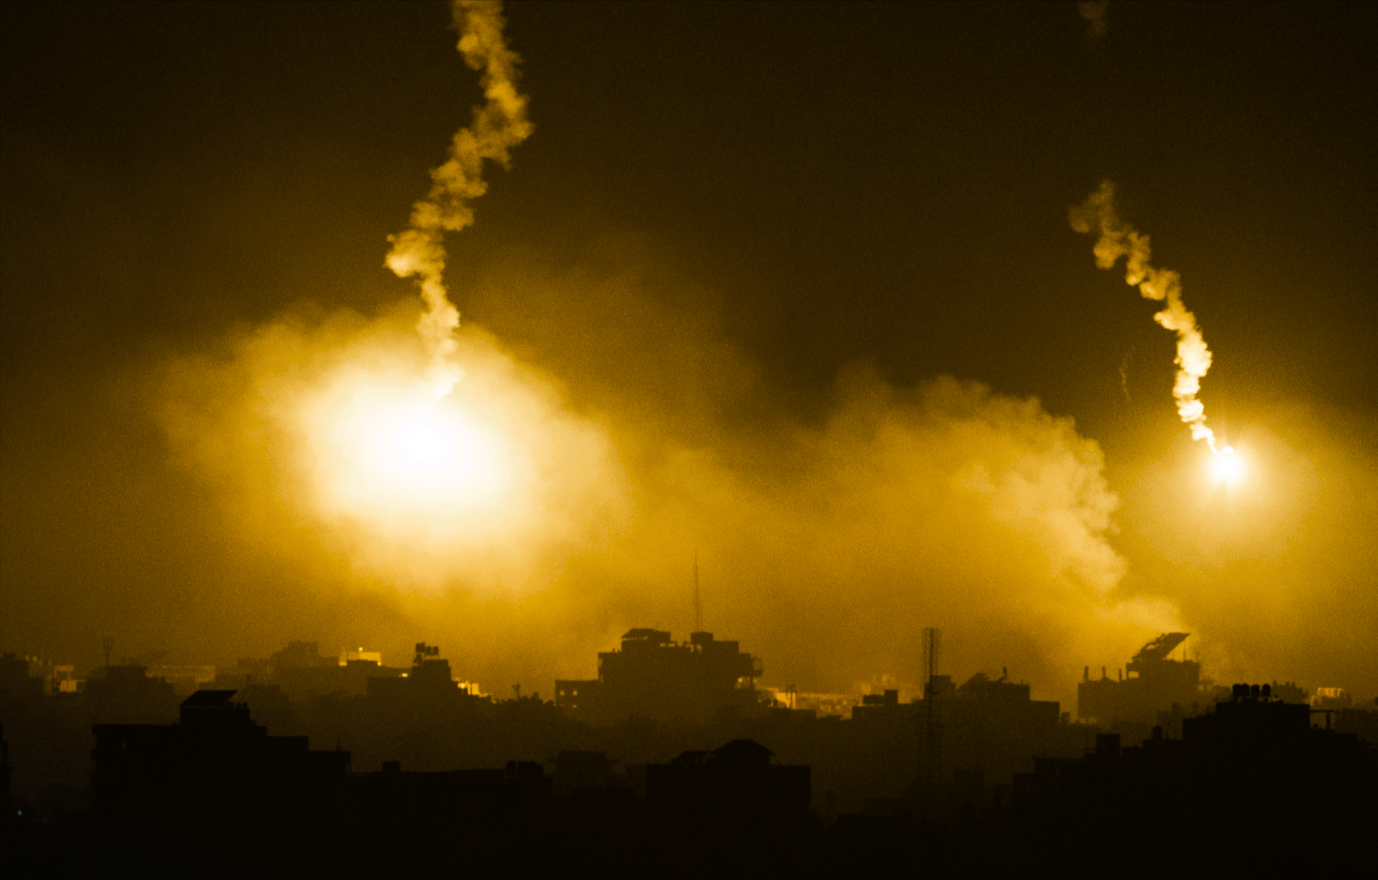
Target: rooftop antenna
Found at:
x=698, y=616
x=108, y=643
x=932, y=646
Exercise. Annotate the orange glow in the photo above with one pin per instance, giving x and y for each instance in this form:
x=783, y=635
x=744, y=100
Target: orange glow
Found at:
x=490, y=485
x=381, y=449
x=1227, y=467
x=410, y=454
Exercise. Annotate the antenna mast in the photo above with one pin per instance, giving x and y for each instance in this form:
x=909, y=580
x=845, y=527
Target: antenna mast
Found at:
x=698, y=616
x=932, y=645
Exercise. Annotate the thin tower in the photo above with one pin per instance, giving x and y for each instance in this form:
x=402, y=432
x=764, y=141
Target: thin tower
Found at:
x=932, y=642
x=698, y=616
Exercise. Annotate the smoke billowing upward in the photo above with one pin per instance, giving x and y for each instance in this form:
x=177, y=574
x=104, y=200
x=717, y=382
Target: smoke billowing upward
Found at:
x=652, y=333
x=827, y=547
x=1119, y=239
x=498, y=126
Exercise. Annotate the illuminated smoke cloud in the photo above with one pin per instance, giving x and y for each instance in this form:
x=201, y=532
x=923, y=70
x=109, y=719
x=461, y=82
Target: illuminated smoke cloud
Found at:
x=1096, y=14
x=498, y=126
x=826, y=547
x=946, y=504
x=1119, y=239
x=286, y=421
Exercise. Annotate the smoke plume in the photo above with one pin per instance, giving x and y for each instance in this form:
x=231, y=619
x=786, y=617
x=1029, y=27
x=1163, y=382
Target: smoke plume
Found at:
x=1095, y=13
x=1119, y=239
x=498, y=126
x=826, y=546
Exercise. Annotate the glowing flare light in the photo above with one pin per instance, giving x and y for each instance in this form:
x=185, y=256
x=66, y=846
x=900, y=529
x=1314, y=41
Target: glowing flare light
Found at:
x=432, y=450
x=407, y=455
x=1227, y=467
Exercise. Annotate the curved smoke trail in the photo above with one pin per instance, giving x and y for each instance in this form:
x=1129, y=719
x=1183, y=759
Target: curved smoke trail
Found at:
x=1119, y=239
x=498, y=126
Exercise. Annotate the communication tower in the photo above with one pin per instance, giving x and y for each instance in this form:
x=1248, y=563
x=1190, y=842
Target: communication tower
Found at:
x=932, y=647
x=698, y=616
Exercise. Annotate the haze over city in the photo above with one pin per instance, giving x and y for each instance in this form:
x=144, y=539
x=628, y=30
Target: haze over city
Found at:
x=788, y=289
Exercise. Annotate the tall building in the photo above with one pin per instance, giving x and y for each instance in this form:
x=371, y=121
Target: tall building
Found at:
x=1152, y=683
x=656, y=677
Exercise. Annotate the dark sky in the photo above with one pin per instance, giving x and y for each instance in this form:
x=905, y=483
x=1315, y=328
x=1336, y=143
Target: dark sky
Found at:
x=800, y=187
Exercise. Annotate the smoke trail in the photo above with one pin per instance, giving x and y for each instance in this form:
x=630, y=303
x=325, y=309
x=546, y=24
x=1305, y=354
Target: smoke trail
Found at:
x=1119, y=239
x=497, y=127
x=1094, y=12
x=1124, y=372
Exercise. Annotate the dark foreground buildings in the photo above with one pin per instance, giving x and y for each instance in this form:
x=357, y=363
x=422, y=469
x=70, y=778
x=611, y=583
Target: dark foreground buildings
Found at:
x=417, y=776
x=183, y=788
x=1251, y=785
x=213, y=795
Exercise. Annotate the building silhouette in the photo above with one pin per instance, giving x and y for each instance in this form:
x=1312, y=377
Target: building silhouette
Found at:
x=127, y=694
x=682, y=772
x=15, y=681
x=213, y=767
x=1251, y=785
x=5, y=774
x=302, y=672
x=1152, y=683
x=655, y=677
x=429, y=681
x=948, y=750
x=735, y=786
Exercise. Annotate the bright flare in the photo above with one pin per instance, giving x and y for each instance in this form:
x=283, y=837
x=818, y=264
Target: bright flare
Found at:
x=408, y=455
x=430, y=449
x=1227, y=467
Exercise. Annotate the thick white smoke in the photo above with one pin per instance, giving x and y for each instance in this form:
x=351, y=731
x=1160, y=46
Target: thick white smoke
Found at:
x=1119, y=239
x=498, y=126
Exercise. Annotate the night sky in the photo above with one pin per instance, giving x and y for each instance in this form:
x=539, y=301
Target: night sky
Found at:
x=791, y=286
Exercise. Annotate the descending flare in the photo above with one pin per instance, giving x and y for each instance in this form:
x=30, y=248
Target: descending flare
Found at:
x=1227, y=467
x=498, y=126
x=1119, y=239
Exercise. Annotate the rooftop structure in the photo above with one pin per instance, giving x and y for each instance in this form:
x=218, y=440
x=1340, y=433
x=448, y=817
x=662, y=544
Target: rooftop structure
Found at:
x=429, y=679
x=657, y=677
x=1152, y=683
